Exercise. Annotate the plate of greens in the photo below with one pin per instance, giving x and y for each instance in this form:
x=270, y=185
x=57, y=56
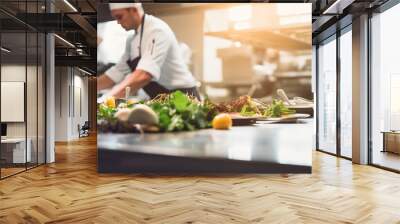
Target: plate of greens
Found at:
x=246, y=110
x=279, y=112
x=165, y=113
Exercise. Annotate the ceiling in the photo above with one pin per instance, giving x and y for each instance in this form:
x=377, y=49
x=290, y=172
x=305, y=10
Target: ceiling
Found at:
x=73, y=20
x=77, y=24
x=325, y=13
x=330, y=15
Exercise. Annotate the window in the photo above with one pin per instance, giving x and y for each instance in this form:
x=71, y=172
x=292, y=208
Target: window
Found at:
x=23, y=86
x=346, y=93
x=385, y=89
x=327, y=96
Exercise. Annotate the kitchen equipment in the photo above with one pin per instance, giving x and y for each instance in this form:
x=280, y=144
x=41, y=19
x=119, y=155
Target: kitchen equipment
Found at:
x=283, y=96
x=300, y=104
x=127, y=93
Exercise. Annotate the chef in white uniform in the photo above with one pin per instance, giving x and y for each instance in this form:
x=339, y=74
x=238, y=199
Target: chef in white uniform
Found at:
x=152, y=61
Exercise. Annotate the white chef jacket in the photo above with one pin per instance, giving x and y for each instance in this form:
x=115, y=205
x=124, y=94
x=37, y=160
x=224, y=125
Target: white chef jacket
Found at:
x=160, y=56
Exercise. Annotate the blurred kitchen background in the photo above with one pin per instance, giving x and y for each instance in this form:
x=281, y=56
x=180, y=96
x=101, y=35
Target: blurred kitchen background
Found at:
x=232, y=49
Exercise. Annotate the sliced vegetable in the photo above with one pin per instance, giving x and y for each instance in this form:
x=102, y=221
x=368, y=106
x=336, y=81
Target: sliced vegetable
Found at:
x=123, y=114
x=143, y=114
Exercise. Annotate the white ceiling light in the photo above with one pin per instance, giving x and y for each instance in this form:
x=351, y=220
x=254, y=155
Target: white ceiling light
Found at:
x=5, y=50
x=65, y=41
x=70, y=5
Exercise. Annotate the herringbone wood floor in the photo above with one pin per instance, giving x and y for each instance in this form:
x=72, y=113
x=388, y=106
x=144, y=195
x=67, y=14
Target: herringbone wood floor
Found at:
x=71, y=191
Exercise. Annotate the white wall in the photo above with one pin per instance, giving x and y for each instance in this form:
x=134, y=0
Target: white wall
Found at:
x=71, y=94
x=80, y=109
x=61, y=103
x=33, y=127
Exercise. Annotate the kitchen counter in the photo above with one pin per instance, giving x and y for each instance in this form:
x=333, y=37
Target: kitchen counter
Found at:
x=260, y=148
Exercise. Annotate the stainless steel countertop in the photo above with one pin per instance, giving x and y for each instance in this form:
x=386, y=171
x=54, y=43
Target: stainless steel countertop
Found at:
x=272, y=143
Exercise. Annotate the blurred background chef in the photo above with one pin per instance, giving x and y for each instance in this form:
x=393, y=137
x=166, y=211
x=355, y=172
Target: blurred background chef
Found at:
x=152, y=62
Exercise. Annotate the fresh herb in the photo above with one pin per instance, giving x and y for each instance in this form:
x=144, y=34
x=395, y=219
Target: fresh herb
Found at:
x=179, y=100
x=247, y=111
x=178, y=112
x=277, y=109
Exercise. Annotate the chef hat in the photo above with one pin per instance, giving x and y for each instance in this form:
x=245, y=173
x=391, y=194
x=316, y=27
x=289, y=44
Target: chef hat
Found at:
x=124, y=5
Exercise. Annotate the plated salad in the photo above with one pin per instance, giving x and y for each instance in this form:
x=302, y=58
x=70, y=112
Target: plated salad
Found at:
x=180, y=112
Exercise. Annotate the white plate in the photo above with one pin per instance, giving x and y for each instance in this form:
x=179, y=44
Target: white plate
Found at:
x=286, y=118
x=300, y=106
x=238, y=116
x=239, y=120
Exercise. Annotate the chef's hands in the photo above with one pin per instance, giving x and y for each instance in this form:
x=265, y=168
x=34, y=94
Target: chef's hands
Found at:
x=104, y=82
x=117, y=91
x=135, y=80
x=99, y=40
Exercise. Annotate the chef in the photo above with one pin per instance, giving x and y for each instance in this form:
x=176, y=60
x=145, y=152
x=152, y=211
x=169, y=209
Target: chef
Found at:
x=152, y=62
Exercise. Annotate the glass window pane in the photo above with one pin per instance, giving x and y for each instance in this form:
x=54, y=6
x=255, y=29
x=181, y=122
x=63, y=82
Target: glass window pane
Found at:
x=346, y=94
x=385, y=89
x=41, y=99
x=22, y=88
x=31, y=97
x=13, y=85
x=327, y=96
